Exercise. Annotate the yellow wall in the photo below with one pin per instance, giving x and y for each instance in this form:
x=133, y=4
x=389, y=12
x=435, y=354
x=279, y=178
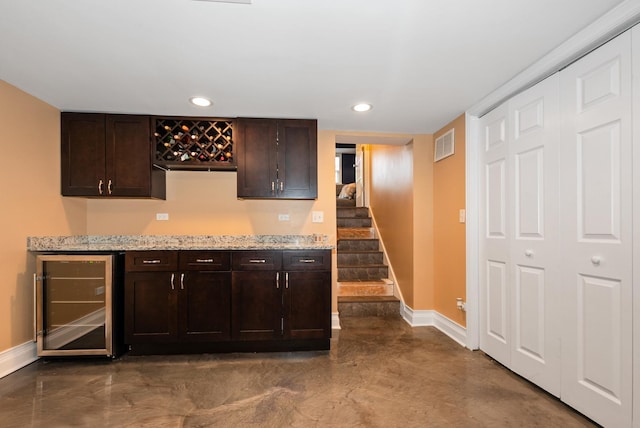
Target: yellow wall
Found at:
x=449, y=233
x=402, y=204
x=423, y=222
x=31, y=203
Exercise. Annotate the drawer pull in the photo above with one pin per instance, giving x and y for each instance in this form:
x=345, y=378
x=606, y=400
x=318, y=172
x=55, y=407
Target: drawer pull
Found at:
x=257, y=261
x=307, y=260
x=204, y=260
x=151, y=262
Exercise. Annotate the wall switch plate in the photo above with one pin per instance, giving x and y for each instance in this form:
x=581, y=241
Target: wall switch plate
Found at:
x=317, y=216
x=462, y=216
x=162, y=216
x=283, y=217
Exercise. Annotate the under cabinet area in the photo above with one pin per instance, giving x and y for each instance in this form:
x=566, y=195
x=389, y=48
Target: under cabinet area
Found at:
x=277, y=158
x=220, y=301
x=108, y=155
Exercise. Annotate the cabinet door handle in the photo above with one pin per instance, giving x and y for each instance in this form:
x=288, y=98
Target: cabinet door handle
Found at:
x=151, y=262
x=273, y=187
x=100, y=183
x=109, y=187
x=182, y=281
x=277, y=279
x=173, y=276
x=286, y=280
x=257, y=261
x=307, y=261
x=204, y=260
x=282, y=186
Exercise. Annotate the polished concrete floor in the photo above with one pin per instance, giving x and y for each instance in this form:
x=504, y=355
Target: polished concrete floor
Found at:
x=379, y=373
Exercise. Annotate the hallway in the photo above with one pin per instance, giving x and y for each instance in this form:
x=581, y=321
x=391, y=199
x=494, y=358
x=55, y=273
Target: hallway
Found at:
x=379, y=373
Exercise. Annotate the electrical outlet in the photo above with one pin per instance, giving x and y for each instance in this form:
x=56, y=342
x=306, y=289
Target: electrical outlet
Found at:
x=283, y=217
x=317, y=216
x=162, y=216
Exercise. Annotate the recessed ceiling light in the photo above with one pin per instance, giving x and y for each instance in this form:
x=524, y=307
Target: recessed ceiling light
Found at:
x=362, y=107
x=200, y=101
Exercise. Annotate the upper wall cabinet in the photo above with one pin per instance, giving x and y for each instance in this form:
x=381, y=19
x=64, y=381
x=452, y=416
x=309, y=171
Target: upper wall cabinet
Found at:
x=277, y=158
x=106, y=155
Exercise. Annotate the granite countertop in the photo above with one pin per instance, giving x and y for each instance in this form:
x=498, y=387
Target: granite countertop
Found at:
x=178, y=242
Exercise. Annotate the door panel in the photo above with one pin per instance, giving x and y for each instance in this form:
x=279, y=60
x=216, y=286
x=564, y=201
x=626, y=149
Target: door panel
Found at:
x=494, y=245
x=533, y=206
x=205, y=306
x=256, y=312
x=595, y=217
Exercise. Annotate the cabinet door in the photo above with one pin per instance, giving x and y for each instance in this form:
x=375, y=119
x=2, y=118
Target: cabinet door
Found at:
x=256, y=311
x=205, y=306
x=128, y=155
x=307, y=305
x=297, y=159
x=83, y=154
x=256, y=155
x=150, y=314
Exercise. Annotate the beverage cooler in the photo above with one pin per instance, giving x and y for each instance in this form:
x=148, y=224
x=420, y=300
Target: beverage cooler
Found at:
x=78, y=304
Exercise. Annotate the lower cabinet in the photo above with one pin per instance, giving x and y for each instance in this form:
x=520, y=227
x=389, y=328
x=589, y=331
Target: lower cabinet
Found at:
x=210, y=301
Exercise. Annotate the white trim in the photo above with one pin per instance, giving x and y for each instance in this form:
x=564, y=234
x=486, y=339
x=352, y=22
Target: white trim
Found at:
x=472, y=232
x=15, y=358
x=416, y=318
x=609, y=25
x=429, y=318
x=335, y=321
x=450, y=328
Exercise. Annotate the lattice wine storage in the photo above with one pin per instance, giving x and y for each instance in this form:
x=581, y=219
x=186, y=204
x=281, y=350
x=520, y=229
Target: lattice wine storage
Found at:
x=189, y=143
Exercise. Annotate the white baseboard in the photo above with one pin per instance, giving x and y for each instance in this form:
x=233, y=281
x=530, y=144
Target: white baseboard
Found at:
x=431, y=318
x=335, y=321
x=451, y=328
x=416, y=318
x=17, y=357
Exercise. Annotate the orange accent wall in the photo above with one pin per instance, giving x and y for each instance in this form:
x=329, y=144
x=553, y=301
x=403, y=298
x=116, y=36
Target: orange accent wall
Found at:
x=31, y=203
x=449, y=233
x=401, y=201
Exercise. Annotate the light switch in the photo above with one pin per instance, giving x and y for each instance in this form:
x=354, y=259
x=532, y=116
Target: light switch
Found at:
x=462, y=216
x=317, y=217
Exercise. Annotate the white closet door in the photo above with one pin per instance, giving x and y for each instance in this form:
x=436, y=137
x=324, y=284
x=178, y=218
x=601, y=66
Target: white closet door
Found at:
x=494, y=240
x=596, y=241
x=533, y=211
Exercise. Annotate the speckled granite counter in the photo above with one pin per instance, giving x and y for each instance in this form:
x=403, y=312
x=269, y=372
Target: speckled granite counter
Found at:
x=177, y=242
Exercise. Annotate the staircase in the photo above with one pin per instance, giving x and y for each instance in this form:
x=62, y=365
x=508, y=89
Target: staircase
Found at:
x=364, y=287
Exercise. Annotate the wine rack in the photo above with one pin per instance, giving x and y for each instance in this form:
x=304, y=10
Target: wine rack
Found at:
x=196, y=144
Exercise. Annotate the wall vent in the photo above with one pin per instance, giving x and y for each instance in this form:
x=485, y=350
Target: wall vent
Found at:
x=444, y=146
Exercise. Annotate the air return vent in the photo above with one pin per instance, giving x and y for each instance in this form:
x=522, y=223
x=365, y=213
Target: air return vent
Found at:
x=444, y=146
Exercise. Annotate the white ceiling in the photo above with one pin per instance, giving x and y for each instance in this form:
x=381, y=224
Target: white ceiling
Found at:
x=421, y=63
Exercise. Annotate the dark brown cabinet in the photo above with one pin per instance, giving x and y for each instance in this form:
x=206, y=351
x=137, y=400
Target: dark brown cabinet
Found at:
x=281, y=295
x=173, y=296
x=277, y=158
x=106, y=155
x=227, y=301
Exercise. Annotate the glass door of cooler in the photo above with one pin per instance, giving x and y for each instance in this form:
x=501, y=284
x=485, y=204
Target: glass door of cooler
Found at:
x=73, y=304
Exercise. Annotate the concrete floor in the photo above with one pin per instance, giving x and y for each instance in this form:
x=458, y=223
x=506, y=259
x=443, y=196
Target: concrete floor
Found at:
x=379, y=373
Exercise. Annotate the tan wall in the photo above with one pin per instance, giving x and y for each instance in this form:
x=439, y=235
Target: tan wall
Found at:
x=423, y=223
x=205, y=203
x=391, y=202
x=449, y=233
x=31, y=203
